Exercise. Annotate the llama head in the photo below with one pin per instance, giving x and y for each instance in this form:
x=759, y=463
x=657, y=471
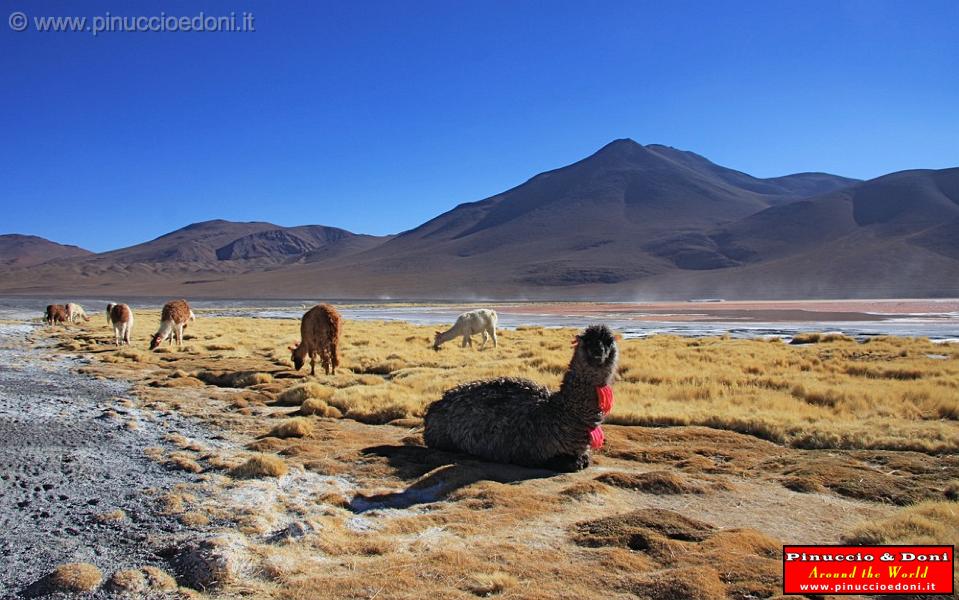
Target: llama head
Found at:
x=437, y=341
x=155, y=341
x=596, y=347
x=295, y=356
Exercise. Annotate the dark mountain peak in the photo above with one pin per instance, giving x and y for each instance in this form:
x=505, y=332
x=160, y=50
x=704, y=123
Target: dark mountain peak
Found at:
x=623, y=149
x=205, y=224
x=620, y=145
x=219, y=224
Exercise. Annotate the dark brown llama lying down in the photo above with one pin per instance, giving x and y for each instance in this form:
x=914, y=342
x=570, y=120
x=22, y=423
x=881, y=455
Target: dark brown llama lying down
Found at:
x=518, y=421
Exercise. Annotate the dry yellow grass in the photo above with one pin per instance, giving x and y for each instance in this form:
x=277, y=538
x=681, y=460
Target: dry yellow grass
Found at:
x=888, y=393
x=292, y=428
x=141, y=581
x=159, y=580
x=928, y=522
x=835, y=393
x=76, y=577
x=184, y=462
x=490, y=529
x=260, y=465
x=115, y=515
x=298, y=394
x=315, y=406
x=194, y=519
x=129, y=580
x=490, y=584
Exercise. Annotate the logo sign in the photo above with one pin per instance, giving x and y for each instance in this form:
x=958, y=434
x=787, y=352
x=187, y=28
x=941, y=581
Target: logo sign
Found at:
x=881, y=570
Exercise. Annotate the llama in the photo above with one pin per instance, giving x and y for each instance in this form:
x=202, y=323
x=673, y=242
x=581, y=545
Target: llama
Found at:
x=319, y=334
x=517, y=421
x=56, y=313
x=121, y=318
x=75, y=312
x=468, y=324
x=173, y=320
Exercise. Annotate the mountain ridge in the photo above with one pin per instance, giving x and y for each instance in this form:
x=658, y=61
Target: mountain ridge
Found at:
x=626, y=220
x=23, y=250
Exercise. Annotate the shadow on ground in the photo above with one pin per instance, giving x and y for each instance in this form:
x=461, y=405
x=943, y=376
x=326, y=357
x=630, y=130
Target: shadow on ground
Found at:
x=435, y=474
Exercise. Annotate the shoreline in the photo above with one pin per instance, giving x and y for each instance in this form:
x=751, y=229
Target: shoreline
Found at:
x=75, y=469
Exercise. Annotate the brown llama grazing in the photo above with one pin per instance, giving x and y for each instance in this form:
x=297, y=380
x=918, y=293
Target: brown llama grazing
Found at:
x=120, y=316
x=517, y=421
x=56, y=313
x=319, y=334
x=173, y=320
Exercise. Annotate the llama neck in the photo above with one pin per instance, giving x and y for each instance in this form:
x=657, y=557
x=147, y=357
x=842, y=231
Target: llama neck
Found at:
x=580, y=375
x=577, y=393
x=166, y=328
x=447, y=335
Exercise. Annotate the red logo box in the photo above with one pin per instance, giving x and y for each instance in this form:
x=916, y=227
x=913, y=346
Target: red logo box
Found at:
x=855, y=570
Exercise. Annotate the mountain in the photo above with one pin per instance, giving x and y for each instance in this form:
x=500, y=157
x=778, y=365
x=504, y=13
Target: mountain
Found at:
x=206, y=253
x=896, y=235
x=607, y=219
x=27, y=250
x=198, y=242
x=628, y=222
x=218, y=241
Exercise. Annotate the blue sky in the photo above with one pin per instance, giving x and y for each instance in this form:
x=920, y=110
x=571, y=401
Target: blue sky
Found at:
x=376, y=116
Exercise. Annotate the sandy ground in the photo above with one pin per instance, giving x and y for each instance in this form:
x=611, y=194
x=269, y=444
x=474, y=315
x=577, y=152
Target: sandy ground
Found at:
x=65, y=458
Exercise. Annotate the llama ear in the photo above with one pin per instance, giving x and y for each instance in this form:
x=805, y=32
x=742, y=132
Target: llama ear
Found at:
x=575, y=341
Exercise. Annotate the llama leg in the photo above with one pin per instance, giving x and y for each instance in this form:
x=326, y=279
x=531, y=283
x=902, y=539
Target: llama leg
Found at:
x=492, y=332
x=485, y=339
x=568, y=463
x=312, y=363
x=325, y=360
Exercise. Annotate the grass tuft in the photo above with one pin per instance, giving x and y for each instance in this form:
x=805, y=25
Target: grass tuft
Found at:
x=485, y=585
x=111, y=517
x=315, y=406
x=298, y=394
x=260, y=465
x=295, y=427
x=930, y=522
x=76, y=577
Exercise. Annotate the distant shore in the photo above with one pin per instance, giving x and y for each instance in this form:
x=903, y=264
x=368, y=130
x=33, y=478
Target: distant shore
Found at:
x=765, y=311
x=936, y=319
